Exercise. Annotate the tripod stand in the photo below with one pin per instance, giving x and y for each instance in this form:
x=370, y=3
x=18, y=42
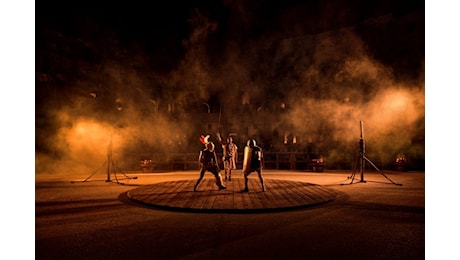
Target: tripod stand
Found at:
x=362, y=161
x=111, y=168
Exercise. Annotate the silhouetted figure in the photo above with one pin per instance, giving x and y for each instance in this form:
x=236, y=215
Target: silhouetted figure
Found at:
x=208, y=160
x=230, y=156
x=253, y=156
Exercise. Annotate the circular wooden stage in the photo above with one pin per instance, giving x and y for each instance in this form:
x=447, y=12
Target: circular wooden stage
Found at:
x=279, y=195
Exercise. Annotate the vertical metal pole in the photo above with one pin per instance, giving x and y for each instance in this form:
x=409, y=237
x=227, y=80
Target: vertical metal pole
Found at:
x=109, y=159
x=108, y=168
x=362, y=148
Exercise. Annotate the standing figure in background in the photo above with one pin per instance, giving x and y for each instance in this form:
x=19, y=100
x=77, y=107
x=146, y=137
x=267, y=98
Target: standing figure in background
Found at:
x=253, y=156
x=208, y=160
x=230, y=156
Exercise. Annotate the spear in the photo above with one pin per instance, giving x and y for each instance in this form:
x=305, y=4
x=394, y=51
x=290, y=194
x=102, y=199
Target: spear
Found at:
x=218, y=123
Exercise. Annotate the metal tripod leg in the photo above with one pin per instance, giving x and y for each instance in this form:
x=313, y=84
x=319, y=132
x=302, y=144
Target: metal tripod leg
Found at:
x=111, y=168
x=375, y=167
x=353, y=174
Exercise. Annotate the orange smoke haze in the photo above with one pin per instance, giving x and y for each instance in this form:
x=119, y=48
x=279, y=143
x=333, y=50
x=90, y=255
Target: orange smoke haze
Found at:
x=321, y=86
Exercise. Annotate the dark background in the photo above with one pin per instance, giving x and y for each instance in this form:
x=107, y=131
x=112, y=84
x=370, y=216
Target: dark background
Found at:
x=270, y=70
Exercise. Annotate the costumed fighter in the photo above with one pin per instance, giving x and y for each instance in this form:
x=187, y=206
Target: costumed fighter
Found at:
x=208, y=160
x=230, y=156
x=252, y=161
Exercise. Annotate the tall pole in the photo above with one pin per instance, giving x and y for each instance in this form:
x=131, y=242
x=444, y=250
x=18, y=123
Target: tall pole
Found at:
x=363, y=159
x=109, y=159
x=362, y=150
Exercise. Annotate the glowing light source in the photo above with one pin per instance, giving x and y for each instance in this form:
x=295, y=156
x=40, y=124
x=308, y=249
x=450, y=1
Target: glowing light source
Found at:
x=396, y=101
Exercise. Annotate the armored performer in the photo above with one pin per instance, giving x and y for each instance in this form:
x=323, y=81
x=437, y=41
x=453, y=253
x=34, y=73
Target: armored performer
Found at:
x=208, y=160
x=230, y=156
x=252, y=161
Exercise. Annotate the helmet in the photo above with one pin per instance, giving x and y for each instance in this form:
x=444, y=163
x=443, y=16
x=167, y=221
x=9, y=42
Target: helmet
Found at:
x=251, y=142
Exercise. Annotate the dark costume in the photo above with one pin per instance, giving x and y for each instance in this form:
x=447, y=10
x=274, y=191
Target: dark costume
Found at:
x=253, y=156
x=208, y=160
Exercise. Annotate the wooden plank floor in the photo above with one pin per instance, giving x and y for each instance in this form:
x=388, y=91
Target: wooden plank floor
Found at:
x=278, y=195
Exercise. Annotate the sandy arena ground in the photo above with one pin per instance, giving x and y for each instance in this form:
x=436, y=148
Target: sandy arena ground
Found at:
x=96, y=219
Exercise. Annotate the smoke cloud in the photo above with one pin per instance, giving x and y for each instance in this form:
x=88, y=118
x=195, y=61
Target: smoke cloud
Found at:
x=316, y=87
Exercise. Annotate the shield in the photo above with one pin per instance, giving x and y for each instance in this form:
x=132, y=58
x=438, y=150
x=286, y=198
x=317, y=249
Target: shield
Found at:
x=247, y=159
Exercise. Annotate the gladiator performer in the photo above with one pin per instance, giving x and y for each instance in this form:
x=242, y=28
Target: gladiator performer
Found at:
x=208, y=160
x=230, y=156
x=253, y=156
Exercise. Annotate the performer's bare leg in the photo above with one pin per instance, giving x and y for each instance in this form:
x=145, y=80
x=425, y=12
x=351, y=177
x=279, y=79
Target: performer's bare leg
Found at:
x=199, y=179
x=259, y=171
x=246, y=180
x=227, y=171
x=219, y=180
